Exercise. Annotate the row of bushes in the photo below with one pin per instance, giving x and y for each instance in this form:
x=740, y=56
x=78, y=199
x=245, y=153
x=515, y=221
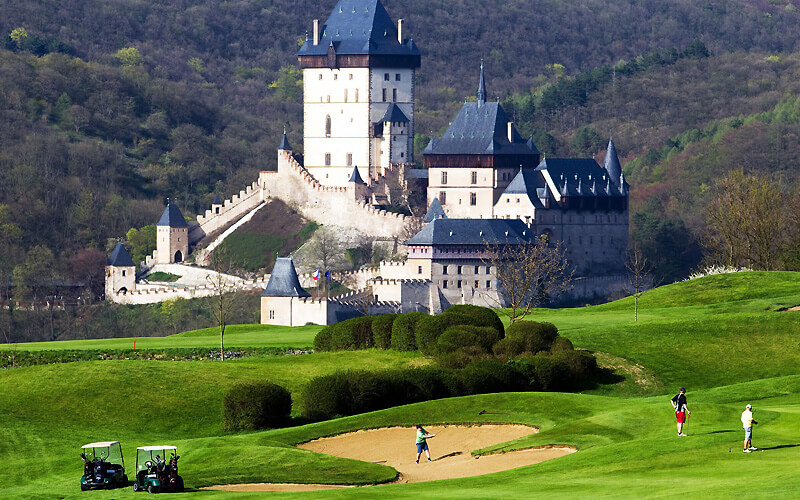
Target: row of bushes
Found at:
x=354, y=391
x=407, y=332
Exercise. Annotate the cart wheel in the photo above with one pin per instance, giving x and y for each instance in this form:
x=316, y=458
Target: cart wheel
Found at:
x=136, y=486
x=84, y=487
x=152, y=489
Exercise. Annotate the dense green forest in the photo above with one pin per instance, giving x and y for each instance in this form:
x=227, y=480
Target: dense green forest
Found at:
x=108, y=108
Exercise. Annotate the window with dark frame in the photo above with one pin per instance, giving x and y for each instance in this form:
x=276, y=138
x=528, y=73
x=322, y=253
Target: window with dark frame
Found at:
x=327, y=159
x=473, y=199
x=384, y=95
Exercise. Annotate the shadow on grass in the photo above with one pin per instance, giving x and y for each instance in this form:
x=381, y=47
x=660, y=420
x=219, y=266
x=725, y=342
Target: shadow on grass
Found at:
x=780, y=446
x=720, y=432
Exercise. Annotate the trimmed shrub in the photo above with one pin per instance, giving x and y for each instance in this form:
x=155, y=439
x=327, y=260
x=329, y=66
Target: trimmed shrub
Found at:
x=348, y=335
x=526, y=337
x=404, y=331
x=461, y=357
x=327, y=396
x=582, y=367
x=561, y=344
x=431, y=327
x=382, y=330
x=545, y=372
x=481, y=316
x=425, y=384
x=256, y=405
x=458, y=336
x=491, y=375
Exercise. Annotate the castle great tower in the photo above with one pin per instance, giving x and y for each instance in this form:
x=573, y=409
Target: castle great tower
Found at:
x=358, y=93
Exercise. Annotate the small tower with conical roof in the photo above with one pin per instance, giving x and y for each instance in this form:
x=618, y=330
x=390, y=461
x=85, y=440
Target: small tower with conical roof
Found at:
x=357, y=185
x=172, y=238
x=280, y=300
x=120, y=272
x=611, y=162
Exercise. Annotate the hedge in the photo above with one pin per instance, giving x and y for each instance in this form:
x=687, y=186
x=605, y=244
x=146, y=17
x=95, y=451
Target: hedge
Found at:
x=458, y=336
x=481, y=316
x=526, y=337
x=431, y=327
x=348, y=335
x=382, y=330
x=256, y=405
x=403, y=331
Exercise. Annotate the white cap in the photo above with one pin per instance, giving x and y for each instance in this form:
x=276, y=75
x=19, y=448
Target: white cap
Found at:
x=748, y=407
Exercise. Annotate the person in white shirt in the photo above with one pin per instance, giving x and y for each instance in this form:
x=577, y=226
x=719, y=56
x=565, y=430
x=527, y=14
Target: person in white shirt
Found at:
x=747, y=424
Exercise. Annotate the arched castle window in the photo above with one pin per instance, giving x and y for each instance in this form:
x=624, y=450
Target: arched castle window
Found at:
x=345, y=95
x=328, y=126
x=356, y=95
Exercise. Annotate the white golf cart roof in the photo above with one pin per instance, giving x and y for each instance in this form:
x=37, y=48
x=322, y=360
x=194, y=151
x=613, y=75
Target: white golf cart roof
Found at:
x=100, y=444
x=156, y=448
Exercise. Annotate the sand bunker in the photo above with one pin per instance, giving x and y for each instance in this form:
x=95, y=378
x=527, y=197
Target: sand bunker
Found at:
x=450, y=451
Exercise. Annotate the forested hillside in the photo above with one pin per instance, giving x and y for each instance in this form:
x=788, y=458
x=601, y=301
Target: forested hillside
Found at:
x=108, y=108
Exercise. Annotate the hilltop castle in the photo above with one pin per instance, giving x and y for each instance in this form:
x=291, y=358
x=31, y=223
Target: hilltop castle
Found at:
x=358, y=103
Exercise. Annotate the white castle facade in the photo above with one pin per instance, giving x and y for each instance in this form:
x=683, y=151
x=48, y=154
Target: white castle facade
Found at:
x=358, y=115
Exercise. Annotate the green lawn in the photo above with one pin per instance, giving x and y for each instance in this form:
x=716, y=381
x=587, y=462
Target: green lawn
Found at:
x=235, y=336
x=723, y=337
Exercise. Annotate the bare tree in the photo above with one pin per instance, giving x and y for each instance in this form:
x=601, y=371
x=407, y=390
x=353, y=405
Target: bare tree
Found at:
x=638, y=275
x=748, y=223
x=223, y=285
x=527, y=274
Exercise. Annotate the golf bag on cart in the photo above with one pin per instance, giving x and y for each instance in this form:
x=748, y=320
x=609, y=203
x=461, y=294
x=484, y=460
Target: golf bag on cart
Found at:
x=173, y=479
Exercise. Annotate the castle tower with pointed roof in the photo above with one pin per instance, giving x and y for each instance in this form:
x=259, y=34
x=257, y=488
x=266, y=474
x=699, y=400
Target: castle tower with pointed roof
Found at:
x=358, y=93
x=172, y=236
x=120, y=272
x=470, y=166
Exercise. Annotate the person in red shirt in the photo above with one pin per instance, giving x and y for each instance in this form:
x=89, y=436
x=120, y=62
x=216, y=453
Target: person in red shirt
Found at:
x=681, y=410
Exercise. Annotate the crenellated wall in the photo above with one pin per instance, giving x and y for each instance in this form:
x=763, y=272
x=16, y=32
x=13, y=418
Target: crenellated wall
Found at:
x=231, y=209
x=151, y=294
x=342, y=206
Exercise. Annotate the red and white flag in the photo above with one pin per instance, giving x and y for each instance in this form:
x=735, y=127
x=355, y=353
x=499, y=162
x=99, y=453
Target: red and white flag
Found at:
x=316, y=275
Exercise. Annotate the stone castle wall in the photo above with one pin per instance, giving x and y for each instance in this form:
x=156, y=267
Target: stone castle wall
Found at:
x=341, y=206
x=231, y=209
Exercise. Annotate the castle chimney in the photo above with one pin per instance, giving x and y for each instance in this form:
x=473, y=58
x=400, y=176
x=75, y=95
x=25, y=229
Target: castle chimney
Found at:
x=316, y=31
x=400, y=31
x=510, y=135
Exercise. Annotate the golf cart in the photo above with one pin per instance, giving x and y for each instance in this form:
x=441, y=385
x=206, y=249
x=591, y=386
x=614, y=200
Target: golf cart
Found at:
x=103, y=466
x=154, y=473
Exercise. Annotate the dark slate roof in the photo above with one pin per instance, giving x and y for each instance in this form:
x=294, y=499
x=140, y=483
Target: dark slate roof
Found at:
x=216, y=200
x=394, y=114
x=359, y=27
x=120, y=257
x=528, y=182
x=435, y=211
x=579, y=177
x=472, y=232
x=481, y=128
x=611, y=162
x=285, y=143
x=172, y=217
x=283, y=281
x=356, y=177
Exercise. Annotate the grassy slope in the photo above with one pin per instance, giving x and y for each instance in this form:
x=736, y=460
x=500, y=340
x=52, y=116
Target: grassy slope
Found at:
x=701, y=333
x=627, y=444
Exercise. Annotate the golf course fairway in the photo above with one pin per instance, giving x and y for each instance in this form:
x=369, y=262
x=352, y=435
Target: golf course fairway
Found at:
x=728, y=339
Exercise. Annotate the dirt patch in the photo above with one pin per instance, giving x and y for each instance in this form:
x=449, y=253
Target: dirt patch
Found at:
x=450, y=452
x=636, y=373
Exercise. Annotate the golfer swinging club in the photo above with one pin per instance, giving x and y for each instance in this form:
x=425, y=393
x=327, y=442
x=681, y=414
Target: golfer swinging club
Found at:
x=422, y=443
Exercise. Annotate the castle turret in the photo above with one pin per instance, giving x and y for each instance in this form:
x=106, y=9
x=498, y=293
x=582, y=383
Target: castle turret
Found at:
x=216, y=205
x=355, y=66
x=120, y=272
x=172, y=239
x=282, y=292
x=611, y=162
x=284, y=145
